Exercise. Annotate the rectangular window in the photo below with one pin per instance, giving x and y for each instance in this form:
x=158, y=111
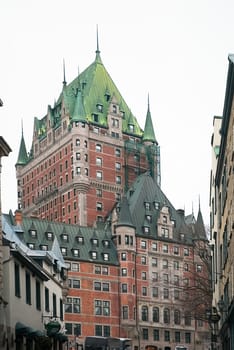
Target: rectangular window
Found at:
x=145, y=334
x=17, y=280
x=177, y=337
x=187, y=338
x=38, y=295
x=54, y=305
x=28, y=287
x=166, y=336
x=125, y=312
x=154, y=292
x=156, y=334
x=47, y=300
x=61, y=309
x=102, y=307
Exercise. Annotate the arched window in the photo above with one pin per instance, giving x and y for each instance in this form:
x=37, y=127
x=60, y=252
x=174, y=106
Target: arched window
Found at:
x=166, y=315
x=177, y=316
x=144, y=313
x=155, y=314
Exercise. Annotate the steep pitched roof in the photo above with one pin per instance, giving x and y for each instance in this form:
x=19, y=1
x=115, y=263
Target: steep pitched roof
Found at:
x=146, y=190
x=22, y=156
x=125, y=218
x=200, y=227
x=98, y=88
x=78, y=239
x=149, y=128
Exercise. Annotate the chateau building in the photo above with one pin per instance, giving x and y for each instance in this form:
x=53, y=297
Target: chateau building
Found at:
x=222, y=215
x=137, y=267
x=86, y=151
x=139, y=275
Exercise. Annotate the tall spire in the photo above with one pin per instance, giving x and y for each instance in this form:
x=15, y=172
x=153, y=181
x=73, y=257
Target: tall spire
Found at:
x=98, y=57
x=22, y=156
x=64, y=77
x=149, y=129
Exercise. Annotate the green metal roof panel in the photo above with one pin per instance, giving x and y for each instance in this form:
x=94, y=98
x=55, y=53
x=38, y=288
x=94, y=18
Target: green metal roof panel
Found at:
x=145, y=190
x=72, y=231
x=22, y=156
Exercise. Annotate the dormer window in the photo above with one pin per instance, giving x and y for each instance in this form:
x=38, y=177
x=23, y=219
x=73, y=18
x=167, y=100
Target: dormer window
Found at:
x=80, y=239
x=122, y=113
x=33, y=233
x=94, y=241
x=148, y=218
x=93, y=255
x=75, y=252
x=164, y=219
x=156, y=205
x=95, y=118
x=49, y=236
x=100, y=107
x=64, y=237
x=106, y=243
x=64, y=251
x=147, y=206
x=105, y=256
x=131, y=127
x=31, y=245
x=44, y=247
x=114, y=109
x=107, y=96
x=146, y=229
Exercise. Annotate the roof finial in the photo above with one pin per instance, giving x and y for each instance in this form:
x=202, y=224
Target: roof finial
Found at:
x=148, y=102
x=97, y=51
x=64, y=77
x=98, y=57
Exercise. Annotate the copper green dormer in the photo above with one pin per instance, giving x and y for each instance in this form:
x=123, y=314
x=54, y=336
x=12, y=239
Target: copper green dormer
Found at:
x=149, y=135
x=22, y=156
x=79, y=111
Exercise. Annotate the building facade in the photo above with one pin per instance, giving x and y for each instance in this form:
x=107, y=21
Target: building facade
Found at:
x=86, y=151
x=137, y=276
x=137, y=267
x=222, y=217
x=34, y=291
x=4, y=152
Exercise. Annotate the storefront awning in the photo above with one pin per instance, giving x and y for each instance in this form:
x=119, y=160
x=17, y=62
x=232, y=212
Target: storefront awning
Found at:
x=22, y=329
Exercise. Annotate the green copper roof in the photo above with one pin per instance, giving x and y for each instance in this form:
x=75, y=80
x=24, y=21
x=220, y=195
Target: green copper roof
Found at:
x=22, y=156
x=79, y=112
x=98, y=89
x=149, y=128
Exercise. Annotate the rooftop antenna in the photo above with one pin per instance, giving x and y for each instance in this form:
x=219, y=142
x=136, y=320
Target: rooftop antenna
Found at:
x=97, y=50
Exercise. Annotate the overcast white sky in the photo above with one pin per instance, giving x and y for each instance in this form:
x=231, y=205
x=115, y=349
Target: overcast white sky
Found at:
x=175, y=50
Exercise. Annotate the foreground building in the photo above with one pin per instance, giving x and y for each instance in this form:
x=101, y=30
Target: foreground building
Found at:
x=4, y=152
x=34, y=291
x=222, y=216
x=136, y=276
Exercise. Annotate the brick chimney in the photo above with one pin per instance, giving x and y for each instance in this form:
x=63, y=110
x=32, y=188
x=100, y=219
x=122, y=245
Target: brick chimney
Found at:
x=18, y=217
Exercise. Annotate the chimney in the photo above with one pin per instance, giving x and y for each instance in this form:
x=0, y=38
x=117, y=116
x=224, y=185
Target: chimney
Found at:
x=181, y=212
x=18, y=217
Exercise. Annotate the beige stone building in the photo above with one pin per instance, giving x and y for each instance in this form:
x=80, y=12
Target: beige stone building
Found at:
x=222, y=218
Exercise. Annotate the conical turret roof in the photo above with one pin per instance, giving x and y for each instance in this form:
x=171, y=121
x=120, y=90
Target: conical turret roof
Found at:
x=149, y=128
x=22, y=155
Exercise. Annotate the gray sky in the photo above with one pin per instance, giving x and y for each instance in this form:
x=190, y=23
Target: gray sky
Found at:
x=174, y=50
